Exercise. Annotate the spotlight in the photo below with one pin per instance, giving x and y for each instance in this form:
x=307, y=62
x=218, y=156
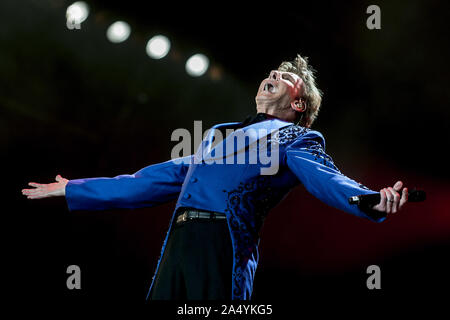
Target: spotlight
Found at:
x=77, y=12
x=197, y=65
x=119, y=31
x=158, y=47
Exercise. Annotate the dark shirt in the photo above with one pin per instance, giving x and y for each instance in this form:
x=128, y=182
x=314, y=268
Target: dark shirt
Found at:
x=249, y=120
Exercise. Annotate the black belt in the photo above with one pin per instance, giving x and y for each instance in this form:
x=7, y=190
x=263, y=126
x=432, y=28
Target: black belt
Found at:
x=197, y=214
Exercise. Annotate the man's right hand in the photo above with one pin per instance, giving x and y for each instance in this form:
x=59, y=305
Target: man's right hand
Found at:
x=55, y=189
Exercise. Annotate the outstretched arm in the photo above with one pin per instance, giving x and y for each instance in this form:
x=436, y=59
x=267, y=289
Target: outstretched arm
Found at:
x=307, y=159
x=152, y=185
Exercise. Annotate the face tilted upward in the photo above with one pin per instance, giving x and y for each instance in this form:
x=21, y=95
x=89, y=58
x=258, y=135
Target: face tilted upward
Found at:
x=280, y=89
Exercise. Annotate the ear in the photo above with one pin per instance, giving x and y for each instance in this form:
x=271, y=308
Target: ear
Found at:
x=298, y=105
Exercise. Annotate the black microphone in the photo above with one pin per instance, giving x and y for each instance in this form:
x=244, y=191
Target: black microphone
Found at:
x=369, y=200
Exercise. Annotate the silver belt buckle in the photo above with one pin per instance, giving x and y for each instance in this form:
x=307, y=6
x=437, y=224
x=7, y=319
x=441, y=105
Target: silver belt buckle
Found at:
x=182, y=217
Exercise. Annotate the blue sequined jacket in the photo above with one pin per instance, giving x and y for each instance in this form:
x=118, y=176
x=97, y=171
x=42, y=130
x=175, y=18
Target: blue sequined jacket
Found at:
x=239, y=190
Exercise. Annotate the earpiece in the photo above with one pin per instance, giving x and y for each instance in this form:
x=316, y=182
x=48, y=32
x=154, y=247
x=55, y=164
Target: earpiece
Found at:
x=299, y=105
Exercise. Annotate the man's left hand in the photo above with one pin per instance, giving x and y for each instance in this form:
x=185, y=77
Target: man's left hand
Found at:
x=391, y=201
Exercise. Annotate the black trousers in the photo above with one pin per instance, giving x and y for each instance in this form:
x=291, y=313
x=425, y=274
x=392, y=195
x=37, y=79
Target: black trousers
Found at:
x=197, y=262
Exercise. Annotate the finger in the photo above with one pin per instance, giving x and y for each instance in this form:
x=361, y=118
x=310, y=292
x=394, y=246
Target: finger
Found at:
x=31, y=191
x=382, y=204
x=34, y=184
x=35, y=194
x=396, y=199
x=389, y=200
x=40, y=196
x=58, y=178
x=398, y=186
x=404, y=197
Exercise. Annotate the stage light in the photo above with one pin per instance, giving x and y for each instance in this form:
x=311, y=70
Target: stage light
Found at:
x=77, y=12
x=197, y=65
x=119, y=31
x=158, y=47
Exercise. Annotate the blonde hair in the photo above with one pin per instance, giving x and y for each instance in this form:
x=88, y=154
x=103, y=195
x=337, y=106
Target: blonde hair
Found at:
x=311, y=94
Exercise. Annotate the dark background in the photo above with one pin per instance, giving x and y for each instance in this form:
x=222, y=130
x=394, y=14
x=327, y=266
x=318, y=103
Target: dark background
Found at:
x=74, y=104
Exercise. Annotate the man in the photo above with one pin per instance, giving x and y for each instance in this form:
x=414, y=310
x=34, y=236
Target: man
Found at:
x=211, y=247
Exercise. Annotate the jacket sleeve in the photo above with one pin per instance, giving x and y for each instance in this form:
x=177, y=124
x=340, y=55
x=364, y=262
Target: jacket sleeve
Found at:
x=307, y=159
x=150, y=186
